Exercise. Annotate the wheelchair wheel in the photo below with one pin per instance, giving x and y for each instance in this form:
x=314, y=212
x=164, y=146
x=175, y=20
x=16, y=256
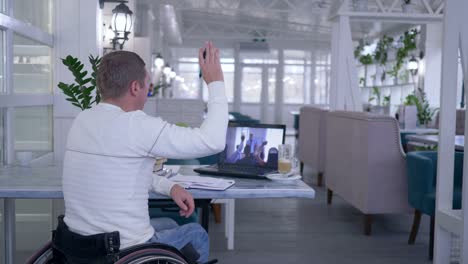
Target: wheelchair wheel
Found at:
x=152, y=256
x=43, y=256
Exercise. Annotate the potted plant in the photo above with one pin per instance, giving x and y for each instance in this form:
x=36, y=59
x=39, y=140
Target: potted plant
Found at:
x=407, y=113
x=386, y=104
x=425, y=113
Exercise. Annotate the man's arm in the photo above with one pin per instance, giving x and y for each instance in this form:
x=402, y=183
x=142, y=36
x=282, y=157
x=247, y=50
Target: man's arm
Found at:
x=210, y=138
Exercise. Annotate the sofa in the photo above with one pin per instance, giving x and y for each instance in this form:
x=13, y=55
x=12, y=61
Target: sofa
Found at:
x=365, y=163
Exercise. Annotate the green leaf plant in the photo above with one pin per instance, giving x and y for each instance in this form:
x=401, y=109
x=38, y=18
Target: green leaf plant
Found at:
x=80, y=93
x=425, y=112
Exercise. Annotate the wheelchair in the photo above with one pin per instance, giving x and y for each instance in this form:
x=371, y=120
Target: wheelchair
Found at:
x=67, y=247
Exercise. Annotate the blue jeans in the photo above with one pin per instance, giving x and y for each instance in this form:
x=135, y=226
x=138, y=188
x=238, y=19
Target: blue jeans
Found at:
x=167, y=231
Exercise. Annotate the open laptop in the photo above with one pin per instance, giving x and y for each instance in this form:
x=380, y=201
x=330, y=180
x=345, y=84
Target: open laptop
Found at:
x=251, y=151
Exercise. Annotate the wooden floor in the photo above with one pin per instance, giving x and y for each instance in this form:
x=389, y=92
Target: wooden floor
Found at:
x=309, y=231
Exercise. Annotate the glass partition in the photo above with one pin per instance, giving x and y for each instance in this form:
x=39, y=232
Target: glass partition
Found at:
x=38, y=13
x=32, y=68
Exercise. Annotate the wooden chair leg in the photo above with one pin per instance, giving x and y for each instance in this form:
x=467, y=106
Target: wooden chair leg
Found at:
x=320, y=179
x=415, y=227
x=367, y=224
x=217, y=212
x=329, y=196
x=431, y=239
x=302, y=167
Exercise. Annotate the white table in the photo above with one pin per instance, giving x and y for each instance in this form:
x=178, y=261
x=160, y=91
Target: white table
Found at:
x=46, y=183
x=434, y=140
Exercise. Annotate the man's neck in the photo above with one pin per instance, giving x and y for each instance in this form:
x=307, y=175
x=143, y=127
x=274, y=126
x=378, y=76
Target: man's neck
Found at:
x=123, y=104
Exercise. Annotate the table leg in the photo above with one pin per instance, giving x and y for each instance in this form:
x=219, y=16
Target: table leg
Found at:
x=230, y=206
x=204, y=204
x=9, y=221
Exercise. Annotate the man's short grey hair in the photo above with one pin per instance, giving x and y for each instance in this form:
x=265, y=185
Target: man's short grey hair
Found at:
x=117, y=71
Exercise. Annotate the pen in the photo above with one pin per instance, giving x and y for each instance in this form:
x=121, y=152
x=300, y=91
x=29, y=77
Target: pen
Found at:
x=204, y=57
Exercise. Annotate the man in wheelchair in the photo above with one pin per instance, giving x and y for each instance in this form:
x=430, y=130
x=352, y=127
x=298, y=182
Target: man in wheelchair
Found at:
x=110, y=152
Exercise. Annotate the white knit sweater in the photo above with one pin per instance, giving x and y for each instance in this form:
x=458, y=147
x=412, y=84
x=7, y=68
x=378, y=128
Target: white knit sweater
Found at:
x=107, y=171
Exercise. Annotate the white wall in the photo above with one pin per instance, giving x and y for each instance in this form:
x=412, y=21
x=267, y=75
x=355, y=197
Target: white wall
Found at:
x=432, y=67
x=78, y=28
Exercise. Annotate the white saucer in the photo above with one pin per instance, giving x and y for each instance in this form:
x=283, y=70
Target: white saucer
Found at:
x=280, y=177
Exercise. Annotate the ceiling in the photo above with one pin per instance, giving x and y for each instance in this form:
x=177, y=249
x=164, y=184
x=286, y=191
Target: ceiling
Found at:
x=304, y=21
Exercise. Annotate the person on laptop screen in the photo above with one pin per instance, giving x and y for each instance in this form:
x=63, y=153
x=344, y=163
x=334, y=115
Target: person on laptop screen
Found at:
x=111, y=149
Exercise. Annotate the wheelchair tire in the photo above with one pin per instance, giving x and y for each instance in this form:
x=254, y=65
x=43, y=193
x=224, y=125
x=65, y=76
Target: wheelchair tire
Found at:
x=152, y=255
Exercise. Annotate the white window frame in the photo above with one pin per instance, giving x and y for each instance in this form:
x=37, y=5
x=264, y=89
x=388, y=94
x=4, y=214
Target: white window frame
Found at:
x=9, y=99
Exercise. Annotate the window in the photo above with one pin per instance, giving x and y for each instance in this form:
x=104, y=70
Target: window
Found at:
x=2, y=68
x=33, y=130
x=228, y=71
x=270, y=57
x=322, y=84
x=271, y=84
x=2, y=141
x=251, y=84
x=37, y=13
x=32, y=68
x=293, y=83
x=189, y=86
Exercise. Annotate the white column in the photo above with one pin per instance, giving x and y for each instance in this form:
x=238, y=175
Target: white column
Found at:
x=237, y=81
x=264, y=96
x=432, y=62
x=279, y=96
x=445, y=217
x=313, y=85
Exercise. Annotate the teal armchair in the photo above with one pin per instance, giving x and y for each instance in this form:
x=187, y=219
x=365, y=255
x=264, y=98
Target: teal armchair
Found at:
x=422, y=177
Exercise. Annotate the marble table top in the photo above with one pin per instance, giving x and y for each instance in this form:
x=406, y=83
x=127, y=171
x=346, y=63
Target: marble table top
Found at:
x=46, y=183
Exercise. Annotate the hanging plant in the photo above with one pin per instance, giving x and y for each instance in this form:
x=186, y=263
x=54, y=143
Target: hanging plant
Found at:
x=381, y=52
x=408, y=43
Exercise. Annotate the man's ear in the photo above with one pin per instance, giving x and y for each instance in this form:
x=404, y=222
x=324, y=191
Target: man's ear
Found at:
x=134, y=88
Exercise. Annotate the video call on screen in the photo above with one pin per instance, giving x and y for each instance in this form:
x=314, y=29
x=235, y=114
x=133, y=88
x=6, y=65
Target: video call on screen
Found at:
x=253, y=146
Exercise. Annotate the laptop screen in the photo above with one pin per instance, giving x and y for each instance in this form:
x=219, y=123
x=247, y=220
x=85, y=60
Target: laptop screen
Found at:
x=253, y=145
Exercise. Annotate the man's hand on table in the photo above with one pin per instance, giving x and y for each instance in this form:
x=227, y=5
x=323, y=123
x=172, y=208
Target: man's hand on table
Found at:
x=183, y=199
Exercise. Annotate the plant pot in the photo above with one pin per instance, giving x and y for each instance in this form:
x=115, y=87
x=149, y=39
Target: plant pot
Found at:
x=360, y=5
x=378, y=75
x=408, y=116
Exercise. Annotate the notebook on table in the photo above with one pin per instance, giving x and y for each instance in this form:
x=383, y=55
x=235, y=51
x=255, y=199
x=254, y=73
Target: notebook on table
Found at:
x=251, y=151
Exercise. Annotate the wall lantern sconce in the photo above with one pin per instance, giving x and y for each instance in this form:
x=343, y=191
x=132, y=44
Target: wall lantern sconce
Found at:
x=167, y=70
x=121, y=23
x=413, y=65
x=159, y=61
